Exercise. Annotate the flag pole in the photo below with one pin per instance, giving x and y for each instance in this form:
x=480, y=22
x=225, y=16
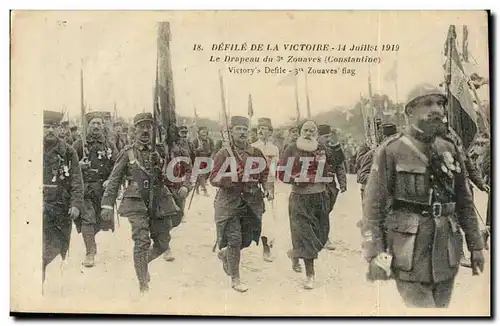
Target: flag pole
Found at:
x=308, y=106
x=297, y=107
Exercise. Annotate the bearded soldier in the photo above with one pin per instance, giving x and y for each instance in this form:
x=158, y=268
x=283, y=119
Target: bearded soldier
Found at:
x=142, y=166
x=65, y=133
x=203, y=147
x=239, y=204
x=335, y=159
x=184, y=142
x=97, y=156
x=62, y=190
x=416, y=198
x=309, y=201
x=271, y=153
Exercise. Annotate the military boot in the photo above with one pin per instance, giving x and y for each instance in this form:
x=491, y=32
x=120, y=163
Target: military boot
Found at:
x=295, y=262
x=233, y=261
x=329, y=245
x=88, y=235
x=266, y=250
x=168, y=256
x=238, y=286
x=222, y=255
x=141, y=270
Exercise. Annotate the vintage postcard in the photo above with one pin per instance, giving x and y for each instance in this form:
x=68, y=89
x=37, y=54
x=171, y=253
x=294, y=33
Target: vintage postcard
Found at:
x=251, y=163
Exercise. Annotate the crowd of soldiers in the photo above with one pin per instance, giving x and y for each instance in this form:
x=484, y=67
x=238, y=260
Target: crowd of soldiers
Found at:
x=415, y=188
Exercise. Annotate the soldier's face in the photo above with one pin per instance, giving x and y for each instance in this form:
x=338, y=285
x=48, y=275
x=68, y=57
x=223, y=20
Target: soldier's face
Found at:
x=264, y=132
x=183, y=134
x=118, y=129
x=203, y=133
x=50, y=132
x=239, y=133
x=325, y=139
x=143, y=131
x=96, y=126
x=294, y=134
x=428, y=114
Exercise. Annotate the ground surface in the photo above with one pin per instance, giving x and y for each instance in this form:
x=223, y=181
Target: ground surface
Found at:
x=195, y=283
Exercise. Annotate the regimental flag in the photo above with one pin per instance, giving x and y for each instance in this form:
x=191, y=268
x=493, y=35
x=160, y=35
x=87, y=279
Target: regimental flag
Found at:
x=250, y=106
x=461, y=114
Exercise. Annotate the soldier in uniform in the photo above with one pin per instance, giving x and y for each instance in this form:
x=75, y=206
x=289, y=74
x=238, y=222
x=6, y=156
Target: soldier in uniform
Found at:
x=335, y=159
x=253, y=135
x=180, y=148
x=416, y=198
x=62, y=190
x=75, y=134
x=142, y=166
x=203, y=146
x=364, y=157
x=239, y=205
x=119, y=138
x=292, y=136
x=64, y=132
x=271, y=153
x=97, y=158
x=185, y=143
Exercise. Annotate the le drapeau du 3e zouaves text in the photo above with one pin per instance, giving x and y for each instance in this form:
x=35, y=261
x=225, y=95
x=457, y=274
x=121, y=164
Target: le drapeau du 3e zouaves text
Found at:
x=251, y=163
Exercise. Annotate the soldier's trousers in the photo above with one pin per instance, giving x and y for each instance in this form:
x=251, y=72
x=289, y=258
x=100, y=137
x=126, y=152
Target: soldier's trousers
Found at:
x=145, y=231
x=235, y=234
x=426, y=295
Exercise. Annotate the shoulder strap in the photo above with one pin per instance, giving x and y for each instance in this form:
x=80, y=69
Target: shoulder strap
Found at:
x=408, y=142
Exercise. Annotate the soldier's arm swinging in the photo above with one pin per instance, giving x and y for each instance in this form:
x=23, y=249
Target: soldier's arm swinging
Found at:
x=76, y=182
x=115, y=180
x=377, y=197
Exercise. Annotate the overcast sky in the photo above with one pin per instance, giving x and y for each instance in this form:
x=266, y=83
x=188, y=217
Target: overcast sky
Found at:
x=119, y=54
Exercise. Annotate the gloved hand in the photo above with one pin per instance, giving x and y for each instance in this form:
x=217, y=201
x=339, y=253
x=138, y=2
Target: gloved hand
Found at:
x=270, y=196
x=107, y=214
x=343, y=189
x=477, y=262
x=73, y=213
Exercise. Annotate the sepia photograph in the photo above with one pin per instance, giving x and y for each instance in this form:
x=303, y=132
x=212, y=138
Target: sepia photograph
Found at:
x=251, y=163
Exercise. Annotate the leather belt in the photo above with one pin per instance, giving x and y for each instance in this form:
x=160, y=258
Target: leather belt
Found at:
x=435, y=209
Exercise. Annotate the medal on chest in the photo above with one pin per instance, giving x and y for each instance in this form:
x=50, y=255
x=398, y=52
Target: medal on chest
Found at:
x=62, y=170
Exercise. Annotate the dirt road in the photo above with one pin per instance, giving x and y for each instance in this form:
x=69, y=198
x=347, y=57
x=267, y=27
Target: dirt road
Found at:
x=195, y=283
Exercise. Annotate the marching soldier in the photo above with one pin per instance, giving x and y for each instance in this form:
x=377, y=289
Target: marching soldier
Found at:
x=62, y=190
x=364, y=157
x=97, y=158
x=64, y=132
x=142, y=166
x=75, y=134
x=335, y=159
x=239, y=205
x=416, y=197
x=271, y=153
x=119, y=138
x=203, y=147
x=185, y=143
x=180, y=148
x=292, y=136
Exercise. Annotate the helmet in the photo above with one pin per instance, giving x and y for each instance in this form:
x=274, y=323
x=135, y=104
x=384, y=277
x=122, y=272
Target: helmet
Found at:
x=423, y=90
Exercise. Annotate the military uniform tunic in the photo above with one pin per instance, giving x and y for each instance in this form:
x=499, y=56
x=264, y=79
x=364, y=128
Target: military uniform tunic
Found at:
x=62, y=189
x=401, y=197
